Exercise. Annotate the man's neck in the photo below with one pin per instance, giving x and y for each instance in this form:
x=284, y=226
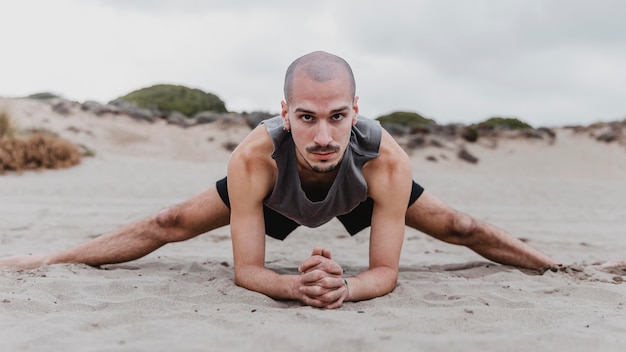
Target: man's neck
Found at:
x=316, y=184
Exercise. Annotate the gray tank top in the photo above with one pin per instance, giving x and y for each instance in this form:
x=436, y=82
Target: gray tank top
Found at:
x=347, y=191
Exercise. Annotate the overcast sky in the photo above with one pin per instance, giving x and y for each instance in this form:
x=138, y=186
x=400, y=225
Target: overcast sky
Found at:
x=548, y=62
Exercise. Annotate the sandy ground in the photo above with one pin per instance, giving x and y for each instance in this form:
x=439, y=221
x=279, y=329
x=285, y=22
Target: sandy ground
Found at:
x=566, y=199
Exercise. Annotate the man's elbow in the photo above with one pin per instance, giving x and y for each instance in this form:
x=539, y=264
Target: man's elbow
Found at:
x=239, y=277
x=244, y=275
x=389, y=279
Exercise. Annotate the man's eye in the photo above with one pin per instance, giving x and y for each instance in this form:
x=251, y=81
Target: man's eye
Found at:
x=306, y=117
x=338, y=117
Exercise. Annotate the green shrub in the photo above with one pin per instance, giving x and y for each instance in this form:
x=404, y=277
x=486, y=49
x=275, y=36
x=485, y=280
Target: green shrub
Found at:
x=411, y=120
x=504, y=123
x=168, y=98
x=43, y=96
x=469, y=134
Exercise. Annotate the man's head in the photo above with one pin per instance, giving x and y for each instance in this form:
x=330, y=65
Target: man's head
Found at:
x=321, y=66
x=320, y=109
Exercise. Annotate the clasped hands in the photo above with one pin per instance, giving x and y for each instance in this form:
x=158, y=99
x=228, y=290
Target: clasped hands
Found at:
x=321, y=281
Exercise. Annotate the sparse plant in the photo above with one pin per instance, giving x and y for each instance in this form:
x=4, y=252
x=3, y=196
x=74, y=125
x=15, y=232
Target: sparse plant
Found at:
x=508, y=123
x=411, y=120
x=168, y=98
x=6, y=125
x=43, y=96
x=33, y=149
x=36, y=151
x=469, y=134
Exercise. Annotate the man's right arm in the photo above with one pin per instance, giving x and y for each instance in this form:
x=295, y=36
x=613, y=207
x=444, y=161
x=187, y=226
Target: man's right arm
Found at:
x=251, y=176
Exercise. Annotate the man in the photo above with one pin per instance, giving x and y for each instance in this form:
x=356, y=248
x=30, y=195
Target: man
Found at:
x=316, y=161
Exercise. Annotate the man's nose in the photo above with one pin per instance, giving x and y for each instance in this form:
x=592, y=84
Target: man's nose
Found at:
x=322, y=135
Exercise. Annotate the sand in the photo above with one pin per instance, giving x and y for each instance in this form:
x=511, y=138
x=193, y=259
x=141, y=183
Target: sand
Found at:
x=566, y=199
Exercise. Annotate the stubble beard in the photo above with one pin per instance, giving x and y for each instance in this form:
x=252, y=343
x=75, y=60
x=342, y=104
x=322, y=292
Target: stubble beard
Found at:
x=326, y=168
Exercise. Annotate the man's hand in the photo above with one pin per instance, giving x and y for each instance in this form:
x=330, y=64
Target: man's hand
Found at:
x=321, y=281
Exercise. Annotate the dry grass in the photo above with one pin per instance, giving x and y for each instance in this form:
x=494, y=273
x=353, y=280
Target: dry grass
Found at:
x=6, y=126
x=34, y=150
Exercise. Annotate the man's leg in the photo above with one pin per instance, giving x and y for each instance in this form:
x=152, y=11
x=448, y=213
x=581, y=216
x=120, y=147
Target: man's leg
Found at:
x=431, y=216
x=180, y=222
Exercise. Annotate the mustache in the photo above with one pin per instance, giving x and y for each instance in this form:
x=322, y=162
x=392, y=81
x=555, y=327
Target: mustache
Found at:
x=326, y=149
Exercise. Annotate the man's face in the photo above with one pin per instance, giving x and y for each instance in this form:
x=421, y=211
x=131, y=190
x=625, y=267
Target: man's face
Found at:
x=320, y=117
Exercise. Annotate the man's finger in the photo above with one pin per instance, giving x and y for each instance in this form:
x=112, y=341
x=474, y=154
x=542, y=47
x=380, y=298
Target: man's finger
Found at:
x=324, y=252
x=322, y=298
x=321, y=279
x=317, y=251
x=309, y=263
x=320, y=263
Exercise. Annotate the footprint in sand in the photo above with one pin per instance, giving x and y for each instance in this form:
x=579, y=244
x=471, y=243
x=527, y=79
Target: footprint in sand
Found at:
x=612, y=271
x=614, y=267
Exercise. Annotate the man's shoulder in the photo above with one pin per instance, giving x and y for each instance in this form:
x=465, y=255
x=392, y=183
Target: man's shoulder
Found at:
x=367, y=126
x=257, y=146
x=365, y=139
x=386, y=174
x=390, y=154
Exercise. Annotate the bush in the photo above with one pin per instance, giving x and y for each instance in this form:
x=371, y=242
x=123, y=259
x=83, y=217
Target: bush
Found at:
x=6, y=127
x=503, y=123
x=43, y=96
x=36, y=151
x=469, y=134
x=411, y=120
x=168, y=98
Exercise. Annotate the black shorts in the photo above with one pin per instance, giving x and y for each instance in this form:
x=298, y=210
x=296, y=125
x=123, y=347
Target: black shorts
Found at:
x=279, y=226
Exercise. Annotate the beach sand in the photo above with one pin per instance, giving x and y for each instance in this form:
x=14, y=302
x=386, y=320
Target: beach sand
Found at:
x=566, y=199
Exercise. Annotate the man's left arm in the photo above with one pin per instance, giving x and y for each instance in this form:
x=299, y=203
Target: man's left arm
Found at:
x=389, y=179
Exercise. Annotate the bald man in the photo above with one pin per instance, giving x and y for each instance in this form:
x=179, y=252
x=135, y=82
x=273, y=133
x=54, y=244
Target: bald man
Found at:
x=317, y=161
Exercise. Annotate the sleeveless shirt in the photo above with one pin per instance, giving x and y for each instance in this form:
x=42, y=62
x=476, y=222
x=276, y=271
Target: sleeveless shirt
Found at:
x=348, y=189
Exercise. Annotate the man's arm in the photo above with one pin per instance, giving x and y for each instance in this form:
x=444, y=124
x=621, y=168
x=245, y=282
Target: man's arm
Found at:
x=389, y=179
x=251, y=176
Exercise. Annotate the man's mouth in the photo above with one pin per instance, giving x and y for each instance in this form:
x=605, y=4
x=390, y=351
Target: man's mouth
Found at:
x=324, y=155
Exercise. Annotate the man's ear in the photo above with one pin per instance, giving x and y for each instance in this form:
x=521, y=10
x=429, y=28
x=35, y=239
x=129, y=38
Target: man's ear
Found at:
x=284, y=112
x=355, y=107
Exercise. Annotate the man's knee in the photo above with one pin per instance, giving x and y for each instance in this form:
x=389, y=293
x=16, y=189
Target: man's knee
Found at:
x=169, y=220
x=461, y=228
x=168, y=217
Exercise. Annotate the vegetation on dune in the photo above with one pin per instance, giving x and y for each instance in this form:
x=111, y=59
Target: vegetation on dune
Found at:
x=43, y=96
x=6, y=127
x=37, y=150
x=508, y=123
x=168, y=98
x=411, y=120
x=469, y=134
